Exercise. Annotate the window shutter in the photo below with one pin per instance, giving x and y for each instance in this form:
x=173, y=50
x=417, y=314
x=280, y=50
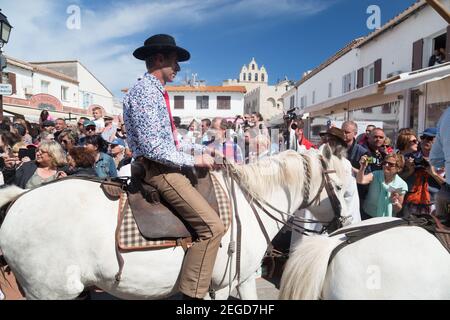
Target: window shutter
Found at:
x=377, y=72
x=447, y=50
x=417, y=55
x=360, y=82
x=12, y=81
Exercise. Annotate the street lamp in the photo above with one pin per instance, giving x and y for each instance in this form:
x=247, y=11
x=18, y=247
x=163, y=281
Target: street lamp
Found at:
x=5, y=31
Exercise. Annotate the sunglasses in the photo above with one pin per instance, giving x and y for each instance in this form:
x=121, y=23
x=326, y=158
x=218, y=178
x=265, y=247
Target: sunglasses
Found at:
x=294, y=126
x=427, y=138
x=390, y=164
x=90, y=128
x=414, y=141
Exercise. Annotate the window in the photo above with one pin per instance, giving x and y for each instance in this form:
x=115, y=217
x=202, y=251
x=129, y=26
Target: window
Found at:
x=244, y=77
x=291, y=102
x=386, y=108
x=178, y=102
x=314, y=97
x=64, y=93
x=367, y=110
x=202, y=102
x=369, y=75
x=253, y=67
x=349, y=82
x=303, y=102
x=262, y=77
x=256, y=77
x=249, y=77
x=330, y=90
x=87, y=100
x=44, y=86
x=223, y=102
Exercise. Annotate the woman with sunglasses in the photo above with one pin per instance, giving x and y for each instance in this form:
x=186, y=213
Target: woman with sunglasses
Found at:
x=386, y=189
x=408, y=146
x=49, y=165
x=421, y=177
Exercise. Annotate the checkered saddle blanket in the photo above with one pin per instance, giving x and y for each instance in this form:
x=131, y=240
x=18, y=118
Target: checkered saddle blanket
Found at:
x=130, y=238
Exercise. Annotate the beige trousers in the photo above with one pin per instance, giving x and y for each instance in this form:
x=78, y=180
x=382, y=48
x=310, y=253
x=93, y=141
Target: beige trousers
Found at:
x=177, y=190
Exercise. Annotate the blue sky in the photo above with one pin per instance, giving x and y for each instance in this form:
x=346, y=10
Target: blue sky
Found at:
x=287, y=36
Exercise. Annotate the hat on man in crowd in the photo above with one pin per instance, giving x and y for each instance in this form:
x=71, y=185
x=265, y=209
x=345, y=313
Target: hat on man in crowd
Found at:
x=118, y=142
x=336, y=132
x=429, y=132
x=160, y=43
x=48, y=123
x=88, y=123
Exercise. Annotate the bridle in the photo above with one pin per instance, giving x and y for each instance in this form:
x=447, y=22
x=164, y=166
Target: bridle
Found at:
x=295, y=223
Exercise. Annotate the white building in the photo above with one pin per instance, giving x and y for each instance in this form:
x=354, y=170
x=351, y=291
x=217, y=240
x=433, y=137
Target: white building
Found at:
x=260, y=97
x=199, y=102
x=382, y=77
x=91, y=90
x=37, y=87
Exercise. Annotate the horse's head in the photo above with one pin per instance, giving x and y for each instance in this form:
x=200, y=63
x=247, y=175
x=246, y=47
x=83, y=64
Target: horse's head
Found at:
x=332, y=205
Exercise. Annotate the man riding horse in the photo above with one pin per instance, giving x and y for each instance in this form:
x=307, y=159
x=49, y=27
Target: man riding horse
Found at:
x=153, y=140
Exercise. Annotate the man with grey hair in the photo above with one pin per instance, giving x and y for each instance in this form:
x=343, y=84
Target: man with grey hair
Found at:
x=354, y=150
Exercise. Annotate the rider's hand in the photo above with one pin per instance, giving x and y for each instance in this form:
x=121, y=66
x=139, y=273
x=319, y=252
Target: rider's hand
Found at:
x=204, y=161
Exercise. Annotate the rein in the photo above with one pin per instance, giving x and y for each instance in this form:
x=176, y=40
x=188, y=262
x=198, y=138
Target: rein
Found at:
x=334, y=224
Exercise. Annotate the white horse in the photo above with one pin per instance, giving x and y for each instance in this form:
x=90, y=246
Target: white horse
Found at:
x=400, y=263
x=59, y=239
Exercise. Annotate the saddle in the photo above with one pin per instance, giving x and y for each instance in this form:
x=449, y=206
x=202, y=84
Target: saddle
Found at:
x=155, y=218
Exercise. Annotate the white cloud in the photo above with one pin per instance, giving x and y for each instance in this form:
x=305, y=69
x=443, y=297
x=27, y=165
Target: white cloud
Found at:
x=109, y=35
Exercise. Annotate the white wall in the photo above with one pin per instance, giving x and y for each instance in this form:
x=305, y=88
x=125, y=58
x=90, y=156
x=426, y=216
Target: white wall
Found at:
x=54, y=89
x=332, y=73
x=394, y=47
x=23, y=79
x=190, y=105
x=88, y=83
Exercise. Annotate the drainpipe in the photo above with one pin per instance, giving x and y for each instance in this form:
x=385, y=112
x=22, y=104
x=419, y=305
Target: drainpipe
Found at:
x=440, y=9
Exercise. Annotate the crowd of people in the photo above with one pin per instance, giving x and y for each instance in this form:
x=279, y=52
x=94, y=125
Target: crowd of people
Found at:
x=36, y=153
x=393, y=179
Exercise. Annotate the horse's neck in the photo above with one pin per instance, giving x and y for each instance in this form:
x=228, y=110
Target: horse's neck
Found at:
x=246, y=206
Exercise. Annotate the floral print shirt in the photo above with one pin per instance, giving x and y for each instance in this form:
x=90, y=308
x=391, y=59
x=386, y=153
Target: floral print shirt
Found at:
x=149, y=131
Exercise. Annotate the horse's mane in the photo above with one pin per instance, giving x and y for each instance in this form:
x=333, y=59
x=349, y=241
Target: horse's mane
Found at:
x=260, y=178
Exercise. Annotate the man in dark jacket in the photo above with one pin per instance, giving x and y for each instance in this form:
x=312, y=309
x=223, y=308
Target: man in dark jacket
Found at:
x=354, y=150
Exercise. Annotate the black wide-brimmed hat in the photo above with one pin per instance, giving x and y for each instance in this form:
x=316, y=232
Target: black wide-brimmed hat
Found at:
x=160, y=43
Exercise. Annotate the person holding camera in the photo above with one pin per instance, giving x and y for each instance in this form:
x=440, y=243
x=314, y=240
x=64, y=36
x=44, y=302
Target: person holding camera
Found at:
x=418, y=174
x=299, y=142
x=386, y=189
x=49, y=165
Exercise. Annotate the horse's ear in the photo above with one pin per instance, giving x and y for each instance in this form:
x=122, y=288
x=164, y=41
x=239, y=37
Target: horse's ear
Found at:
x=326, y=152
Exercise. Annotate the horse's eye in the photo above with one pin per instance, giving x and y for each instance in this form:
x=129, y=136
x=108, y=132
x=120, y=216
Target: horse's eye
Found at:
x=339, y=188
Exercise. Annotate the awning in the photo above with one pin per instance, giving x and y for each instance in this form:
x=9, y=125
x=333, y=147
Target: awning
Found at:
x=32, y=114
x=417, y=78
x=345, y=98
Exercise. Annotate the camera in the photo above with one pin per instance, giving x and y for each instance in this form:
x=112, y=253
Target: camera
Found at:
x=421, y=162
x=371, y=160
x=290, y=114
